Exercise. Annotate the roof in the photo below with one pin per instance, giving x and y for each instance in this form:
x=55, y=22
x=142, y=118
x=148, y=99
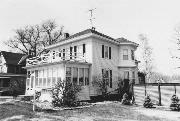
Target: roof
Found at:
x=124, y=40
x=12, y=58
x=87, y=31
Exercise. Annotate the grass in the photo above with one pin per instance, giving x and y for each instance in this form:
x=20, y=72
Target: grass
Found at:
x=100, y=112
x=15, y=109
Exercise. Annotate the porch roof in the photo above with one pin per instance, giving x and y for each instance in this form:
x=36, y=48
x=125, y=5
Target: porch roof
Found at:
x=55, y=63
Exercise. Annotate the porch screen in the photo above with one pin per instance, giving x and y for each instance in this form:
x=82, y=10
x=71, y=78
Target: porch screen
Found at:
x=81, y=76
x=86, y=73
x=75, y=75
x=49, y=77
x=54, y=76
x=68, y=74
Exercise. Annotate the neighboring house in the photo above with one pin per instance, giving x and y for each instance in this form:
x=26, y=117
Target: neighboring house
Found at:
x=81, y=58
x=11, y=71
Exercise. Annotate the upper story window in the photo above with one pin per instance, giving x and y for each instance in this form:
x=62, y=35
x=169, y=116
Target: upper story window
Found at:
x=125, y=54
x=106, y=52
x=132, y=54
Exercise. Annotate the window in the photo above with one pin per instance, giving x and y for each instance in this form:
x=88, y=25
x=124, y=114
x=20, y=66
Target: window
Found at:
x=106, y=51
x=133, y=77
x=68, y=74
x=86, y=74
x=132, y=54
x=107, y=77
x=54, y=75
x=40, y=78
x=75, y=75
x=49, y=80
x=126, y=75
x=81, y=76
x=36, y=78
x=125, y=54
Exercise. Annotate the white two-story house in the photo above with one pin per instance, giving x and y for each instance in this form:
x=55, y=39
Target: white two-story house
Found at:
x=81, y=58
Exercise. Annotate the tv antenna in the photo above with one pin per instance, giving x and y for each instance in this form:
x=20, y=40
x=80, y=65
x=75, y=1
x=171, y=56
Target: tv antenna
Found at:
x=92, y=18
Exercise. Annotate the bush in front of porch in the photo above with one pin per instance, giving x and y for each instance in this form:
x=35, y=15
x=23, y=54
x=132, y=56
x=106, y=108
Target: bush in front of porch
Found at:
x=65, y=94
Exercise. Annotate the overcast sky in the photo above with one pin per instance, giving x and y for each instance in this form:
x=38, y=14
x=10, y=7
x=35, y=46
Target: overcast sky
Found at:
x=116, y=18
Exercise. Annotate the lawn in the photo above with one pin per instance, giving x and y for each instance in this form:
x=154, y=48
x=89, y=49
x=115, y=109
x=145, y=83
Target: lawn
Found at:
x=105, y=111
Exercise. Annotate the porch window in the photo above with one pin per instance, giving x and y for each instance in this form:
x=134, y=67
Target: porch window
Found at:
x=133, y=77
x=126, y=75
x=40, y=78
x=36, y=78
x=75, y=75
x=49, y=77
x=45, y=77
x=86, y=74
x=68, y=74
x=81, y=76
x=125, y=54
x=54, y=76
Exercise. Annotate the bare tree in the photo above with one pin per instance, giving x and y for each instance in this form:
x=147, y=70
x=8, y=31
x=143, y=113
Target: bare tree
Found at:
x=147, y=60
x=35, y=38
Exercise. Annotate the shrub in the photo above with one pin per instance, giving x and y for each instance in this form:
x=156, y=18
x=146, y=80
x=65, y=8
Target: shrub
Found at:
x=65, y=94
x=175, y=106
x=101, y=85
x=147, y=102
x=126, y=100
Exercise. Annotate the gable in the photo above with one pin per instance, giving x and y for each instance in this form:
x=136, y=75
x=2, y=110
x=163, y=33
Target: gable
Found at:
x=11, y=58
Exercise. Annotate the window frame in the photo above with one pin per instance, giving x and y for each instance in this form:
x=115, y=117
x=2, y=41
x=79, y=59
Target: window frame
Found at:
x=125, y=54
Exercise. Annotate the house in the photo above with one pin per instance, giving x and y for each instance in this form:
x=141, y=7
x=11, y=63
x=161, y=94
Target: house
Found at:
x=11, y=71
x=82, y=58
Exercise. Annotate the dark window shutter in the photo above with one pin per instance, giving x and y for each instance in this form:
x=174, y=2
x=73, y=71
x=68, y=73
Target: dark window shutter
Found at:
x=109, y=52
x=110, y=79
x=84, y=48
x=102, y=51
x=64, y=54
x=71, y=52
x=75, y=51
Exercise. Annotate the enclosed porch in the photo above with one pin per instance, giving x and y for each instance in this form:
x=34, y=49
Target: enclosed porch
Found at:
x=45, y=76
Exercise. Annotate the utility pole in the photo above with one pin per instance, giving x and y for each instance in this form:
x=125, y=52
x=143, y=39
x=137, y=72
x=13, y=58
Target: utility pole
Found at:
x=91, y=17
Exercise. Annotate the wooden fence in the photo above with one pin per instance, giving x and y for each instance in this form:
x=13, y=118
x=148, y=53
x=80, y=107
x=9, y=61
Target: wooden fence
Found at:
x=160, y=93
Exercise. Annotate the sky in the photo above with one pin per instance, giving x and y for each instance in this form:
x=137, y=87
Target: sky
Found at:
x=116, y=18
